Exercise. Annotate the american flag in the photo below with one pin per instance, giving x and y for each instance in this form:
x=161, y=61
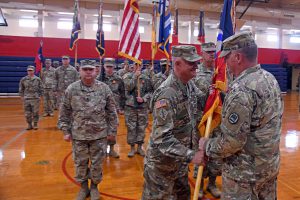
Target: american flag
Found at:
x=130, y=43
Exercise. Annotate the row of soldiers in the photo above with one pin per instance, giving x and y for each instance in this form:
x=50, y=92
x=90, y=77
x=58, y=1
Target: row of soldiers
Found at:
x=131, y=89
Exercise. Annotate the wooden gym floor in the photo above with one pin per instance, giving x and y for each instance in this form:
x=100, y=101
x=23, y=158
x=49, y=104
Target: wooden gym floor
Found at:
x=37, y=165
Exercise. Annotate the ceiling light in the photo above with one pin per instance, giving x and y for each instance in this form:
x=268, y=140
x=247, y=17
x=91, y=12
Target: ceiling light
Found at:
x=65, y=13
x=32, y=11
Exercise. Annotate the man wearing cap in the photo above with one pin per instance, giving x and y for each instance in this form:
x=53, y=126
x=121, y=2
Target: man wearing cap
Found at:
x=64, y=76
x=203, y=81
x=251, y=125
x=88, y=118
x=148, y=71
x=31, y=90
x=124, y=70
x=55, y=101
x=116, y=85
x=48, y=79
x=138, y=91
x=159, y=78
x=170, y=148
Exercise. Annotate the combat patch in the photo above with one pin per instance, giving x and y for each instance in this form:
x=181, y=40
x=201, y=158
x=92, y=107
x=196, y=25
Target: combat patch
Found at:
x=233, y=118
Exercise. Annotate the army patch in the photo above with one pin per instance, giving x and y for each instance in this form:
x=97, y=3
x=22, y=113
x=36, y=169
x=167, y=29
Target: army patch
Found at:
x=233, y=118
x=160, y=104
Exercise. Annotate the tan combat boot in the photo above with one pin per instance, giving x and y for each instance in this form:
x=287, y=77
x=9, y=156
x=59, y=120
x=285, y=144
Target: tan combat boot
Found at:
x=113, y=153
x=45, y=114
x=29, y=127
x=132, y=151
x=94, y=192
x=140, y=150
x=35, y=125
x=84, y=191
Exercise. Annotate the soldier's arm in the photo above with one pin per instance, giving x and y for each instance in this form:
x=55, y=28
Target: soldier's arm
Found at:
x=122, y=94
x=21, y=88
x=65, y=113
x=235, y=127
x=163, y=136
x=111, y=111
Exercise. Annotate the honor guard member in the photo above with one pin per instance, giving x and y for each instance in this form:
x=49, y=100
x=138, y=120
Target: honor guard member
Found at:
x=55, y=101
x=88, y=117
x=31, y=90
x=116, y=85
x=55, y=64
x=159, y=78
x=124, y=70
x=64, y=76
x=170, y=148
x=48, y=79
x=138, y=91
x=251, y=125
x=148, y=71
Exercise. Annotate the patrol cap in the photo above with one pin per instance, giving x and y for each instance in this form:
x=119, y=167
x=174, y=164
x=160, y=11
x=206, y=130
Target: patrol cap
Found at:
x=48, y=60
x=209, y=46
x=163, y=61
x=109, y=62
x=87, y=64
x=237, y=41
x=97, y=64
x=186, y=52
x=55, y=62
x=30, y=68
x=126, y=62
x=65, y=57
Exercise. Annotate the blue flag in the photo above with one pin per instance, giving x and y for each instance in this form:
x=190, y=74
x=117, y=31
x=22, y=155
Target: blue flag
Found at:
x=164, y=29
x=76, y=26
x=100, y=47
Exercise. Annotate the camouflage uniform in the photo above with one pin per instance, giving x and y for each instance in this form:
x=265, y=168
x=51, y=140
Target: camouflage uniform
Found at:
x=64, y=76
x=55, y=101
x=159, y=78
x=251, y=129
x=48, y=80
x=171, y=142
x=89, y=115
x=148, y=72
x=136, y=114
x=31, y=89
x=123, y=71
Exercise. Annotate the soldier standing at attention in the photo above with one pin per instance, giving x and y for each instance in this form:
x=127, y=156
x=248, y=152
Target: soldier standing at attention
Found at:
x=124, y=70
x=48, y=79
x=116, y=85
x=159, y=78
x=64, y=76
x=55, y=104
x=138, y=91
x=251, y=125
x=87, y=113
x=148, y=71
x=31, y=90
x=170, y=147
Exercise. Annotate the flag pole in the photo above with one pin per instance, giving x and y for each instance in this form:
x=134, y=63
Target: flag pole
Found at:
x=75, y=55
x=200, y=169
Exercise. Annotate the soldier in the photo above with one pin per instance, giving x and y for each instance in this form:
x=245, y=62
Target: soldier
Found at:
x=31, y=90
x=203, y=81
x=170, y=145
x=159, y=78
x=87, y=112
x=48, y=80
x=55, y=101
x=138, y=91
x=148, y=71
x=116, y=85
x=124, y=70
x=251, y=125
x=64, y=76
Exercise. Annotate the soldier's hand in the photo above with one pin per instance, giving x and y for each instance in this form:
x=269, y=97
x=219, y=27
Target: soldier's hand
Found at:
x=139, y=99
x=199, y=158
x=68, y=137
x=138, y=73
x=121, y=112
x=202, y=144
x=111, y=138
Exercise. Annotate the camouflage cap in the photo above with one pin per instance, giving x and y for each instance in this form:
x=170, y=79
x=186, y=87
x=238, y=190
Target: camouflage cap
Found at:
x=186, y=52
x=97, y=64
x=65, y=57
x=109, y=62
x=30, y=68
x=87, y=64
x=48, y=60
x=163, y=61
x=237, y=41
x=126, y=61
x=209, y=46
x=55, y=62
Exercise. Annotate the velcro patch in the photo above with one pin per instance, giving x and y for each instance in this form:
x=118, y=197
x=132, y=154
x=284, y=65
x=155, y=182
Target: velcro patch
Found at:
x=233, y=118
x=160, y=104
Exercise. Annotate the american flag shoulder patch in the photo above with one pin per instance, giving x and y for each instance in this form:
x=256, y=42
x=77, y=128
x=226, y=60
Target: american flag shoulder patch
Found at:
x=161, y=103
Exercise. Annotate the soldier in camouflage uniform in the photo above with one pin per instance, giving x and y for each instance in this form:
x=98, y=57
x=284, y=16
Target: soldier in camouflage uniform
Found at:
x=116, y=85
x=251, y=125
x=136, y=108
x=31, y=90
x=64, y=76
x=88, y=117
x=203, y=81
x=159, y=78
x=124, y=70
x=48, y=83
x=170, y=147
x=55, y=104
x=148, y=71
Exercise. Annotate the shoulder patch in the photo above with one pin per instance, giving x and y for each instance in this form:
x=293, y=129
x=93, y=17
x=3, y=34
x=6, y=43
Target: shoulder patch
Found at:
x=160, y=104
x=233, y=118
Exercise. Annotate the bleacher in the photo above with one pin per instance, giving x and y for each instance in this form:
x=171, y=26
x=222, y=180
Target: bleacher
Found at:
x=12, y=69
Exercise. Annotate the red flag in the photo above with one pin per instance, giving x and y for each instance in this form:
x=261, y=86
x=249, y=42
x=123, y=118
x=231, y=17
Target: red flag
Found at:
x=213, y=104
x=175, y=29
x=130, y=44
x=39, y=59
